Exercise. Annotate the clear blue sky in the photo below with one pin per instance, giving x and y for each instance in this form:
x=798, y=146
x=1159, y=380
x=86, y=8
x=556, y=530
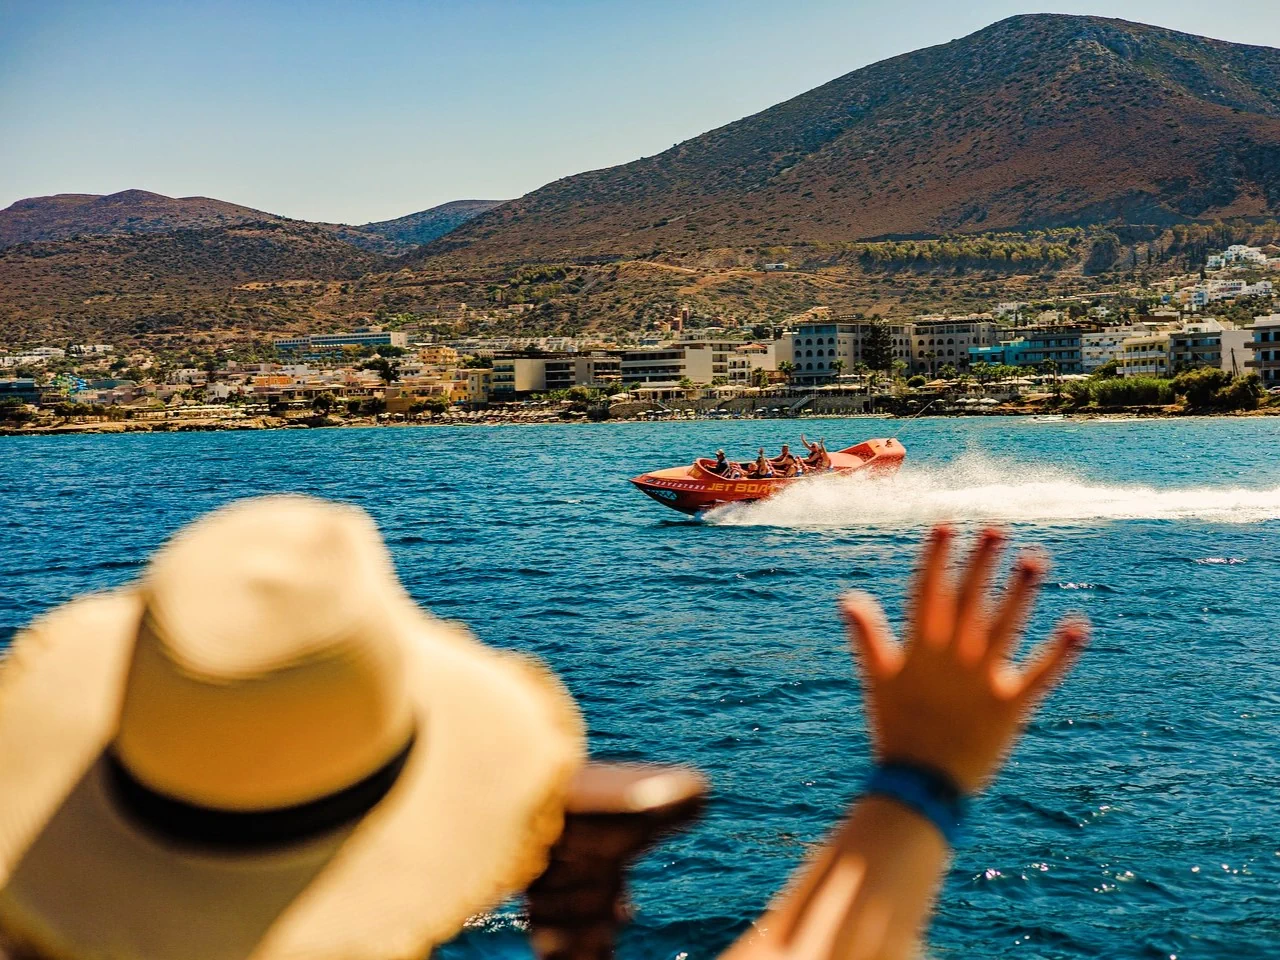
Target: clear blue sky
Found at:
x=368, y=110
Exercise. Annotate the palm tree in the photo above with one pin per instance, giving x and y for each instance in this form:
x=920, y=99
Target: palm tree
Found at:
x=787, y=368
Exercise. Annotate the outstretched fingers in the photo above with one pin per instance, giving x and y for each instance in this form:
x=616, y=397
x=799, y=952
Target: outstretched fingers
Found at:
x=1052, y=661
x=869, y=635
x=932, y=606
x=969, y=634
x=1019, y=597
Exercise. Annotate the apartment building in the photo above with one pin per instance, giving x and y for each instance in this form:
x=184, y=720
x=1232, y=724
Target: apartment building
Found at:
x=1197, y=344
x=1100, y=347
x=1265, y=345
x=438, y=355
x=1145, y=355
x=1235, y=350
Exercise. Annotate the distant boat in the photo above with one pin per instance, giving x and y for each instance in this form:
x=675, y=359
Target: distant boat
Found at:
x=696, y=488
x=1049, y=418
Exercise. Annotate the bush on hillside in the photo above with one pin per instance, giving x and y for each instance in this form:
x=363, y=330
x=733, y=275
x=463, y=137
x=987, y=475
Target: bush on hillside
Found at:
x=1200, y=386
x=1243, y=393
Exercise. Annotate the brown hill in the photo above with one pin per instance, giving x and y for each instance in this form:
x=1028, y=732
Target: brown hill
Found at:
x=242, y=276
x=130, y=211
x=67, y=215
x=1039, y=120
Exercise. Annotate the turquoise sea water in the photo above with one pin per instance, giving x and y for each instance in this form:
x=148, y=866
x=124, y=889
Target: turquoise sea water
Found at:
x=1137, y=819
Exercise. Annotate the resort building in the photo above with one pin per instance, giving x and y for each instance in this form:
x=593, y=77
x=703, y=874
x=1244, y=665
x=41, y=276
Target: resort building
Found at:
x=334, y=342
x=1265, y=345
x=515, y=376
x=750, y=357
x=583, y=370
x=520, y=376
x=701, y=361
x=816, y=347
x=938, y=341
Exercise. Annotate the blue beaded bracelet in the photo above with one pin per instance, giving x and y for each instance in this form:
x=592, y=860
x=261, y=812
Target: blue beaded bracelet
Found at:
x=929, y=793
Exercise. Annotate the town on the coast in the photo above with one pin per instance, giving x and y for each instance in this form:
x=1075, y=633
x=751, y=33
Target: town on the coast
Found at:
x=1186, y=344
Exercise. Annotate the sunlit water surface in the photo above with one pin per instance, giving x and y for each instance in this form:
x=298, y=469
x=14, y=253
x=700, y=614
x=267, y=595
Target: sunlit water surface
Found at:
x=1137, y=819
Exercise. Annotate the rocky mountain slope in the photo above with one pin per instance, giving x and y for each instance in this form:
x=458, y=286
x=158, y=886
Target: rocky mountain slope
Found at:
x=1036, y=121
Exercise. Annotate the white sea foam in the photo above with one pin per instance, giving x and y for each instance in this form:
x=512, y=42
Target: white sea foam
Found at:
x=977, y=489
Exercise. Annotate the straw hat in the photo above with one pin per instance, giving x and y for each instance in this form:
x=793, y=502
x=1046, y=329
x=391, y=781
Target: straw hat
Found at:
x=265, y=750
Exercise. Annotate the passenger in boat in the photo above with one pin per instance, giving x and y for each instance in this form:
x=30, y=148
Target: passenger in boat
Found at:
x=762, y=468
x=787, y=463
x=818, y=458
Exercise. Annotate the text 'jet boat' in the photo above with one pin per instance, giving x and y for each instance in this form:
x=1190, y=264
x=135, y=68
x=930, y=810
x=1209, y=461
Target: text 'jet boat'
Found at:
x=699, y=487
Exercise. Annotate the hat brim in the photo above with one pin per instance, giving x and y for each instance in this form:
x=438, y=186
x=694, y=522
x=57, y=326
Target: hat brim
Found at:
x=468, y=822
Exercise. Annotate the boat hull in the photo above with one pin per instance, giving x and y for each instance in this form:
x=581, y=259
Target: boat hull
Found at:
x=695, y=489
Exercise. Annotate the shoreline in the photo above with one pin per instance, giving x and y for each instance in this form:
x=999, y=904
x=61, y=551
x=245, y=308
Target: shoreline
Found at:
x=236, y=425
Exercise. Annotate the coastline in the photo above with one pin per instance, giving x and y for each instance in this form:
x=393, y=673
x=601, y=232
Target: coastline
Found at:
x=492, y=419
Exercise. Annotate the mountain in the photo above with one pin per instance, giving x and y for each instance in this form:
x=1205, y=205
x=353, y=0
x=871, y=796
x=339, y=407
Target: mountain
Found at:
x=427, y=225
x=1037, y=121
x=130, y=211
x=67, y=215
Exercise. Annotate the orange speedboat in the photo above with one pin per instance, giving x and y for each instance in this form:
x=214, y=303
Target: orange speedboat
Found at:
x=696, y=488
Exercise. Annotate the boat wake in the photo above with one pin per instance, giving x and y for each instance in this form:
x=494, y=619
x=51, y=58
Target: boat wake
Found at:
x=975, y=488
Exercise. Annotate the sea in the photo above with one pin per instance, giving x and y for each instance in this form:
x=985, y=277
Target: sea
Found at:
x=1138, y=817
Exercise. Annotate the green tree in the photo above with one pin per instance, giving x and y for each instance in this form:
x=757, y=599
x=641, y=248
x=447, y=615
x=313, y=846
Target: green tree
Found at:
x=877, y=347
x=322, y=403
x=386, y=369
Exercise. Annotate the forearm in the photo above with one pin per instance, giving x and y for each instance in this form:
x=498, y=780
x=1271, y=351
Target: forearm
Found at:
x=867, y=895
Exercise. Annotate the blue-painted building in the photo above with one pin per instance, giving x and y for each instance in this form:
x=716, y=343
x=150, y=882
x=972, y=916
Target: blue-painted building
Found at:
x=1011, y=353
x=1062, y=345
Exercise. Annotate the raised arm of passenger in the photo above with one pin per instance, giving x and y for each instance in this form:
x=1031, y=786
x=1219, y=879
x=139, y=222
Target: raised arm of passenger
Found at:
x=944, y=708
